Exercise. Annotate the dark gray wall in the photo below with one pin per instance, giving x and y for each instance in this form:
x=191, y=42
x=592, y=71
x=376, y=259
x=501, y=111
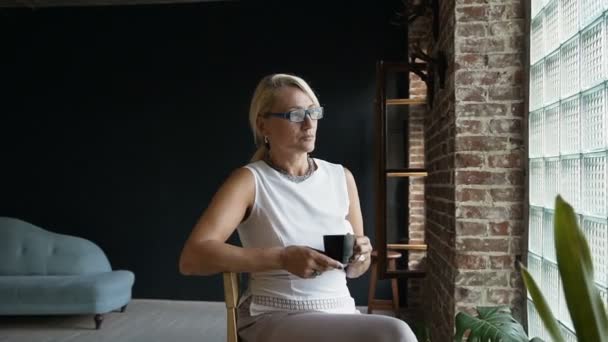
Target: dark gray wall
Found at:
x=119, y=123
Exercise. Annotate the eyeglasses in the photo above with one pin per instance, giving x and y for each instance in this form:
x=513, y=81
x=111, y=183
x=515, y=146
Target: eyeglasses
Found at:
x=298, y=115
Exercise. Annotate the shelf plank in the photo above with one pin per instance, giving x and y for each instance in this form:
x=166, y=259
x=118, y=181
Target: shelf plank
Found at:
x=406, y=173
x=405, y=102
x=406, y=247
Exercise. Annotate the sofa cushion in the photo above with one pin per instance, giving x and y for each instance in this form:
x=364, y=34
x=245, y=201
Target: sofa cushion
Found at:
x=28, y=250
x=90, y=293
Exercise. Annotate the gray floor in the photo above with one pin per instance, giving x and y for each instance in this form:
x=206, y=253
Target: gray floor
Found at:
x=144, y=321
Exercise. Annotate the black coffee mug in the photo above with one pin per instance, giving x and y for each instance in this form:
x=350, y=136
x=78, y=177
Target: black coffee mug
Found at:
x=339, y=247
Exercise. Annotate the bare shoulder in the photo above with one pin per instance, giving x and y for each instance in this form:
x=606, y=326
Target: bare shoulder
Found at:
x=240, y=179
x=242, y=174
x=350, y=179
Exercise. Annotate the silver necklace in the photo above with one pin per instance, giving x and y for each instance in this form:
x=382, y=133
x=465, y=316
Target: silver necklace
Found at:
x=293, y=178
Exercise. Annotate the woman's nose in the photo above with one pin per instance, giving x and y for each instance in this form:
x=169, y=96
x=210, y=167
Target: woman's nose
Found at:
x=308, y=122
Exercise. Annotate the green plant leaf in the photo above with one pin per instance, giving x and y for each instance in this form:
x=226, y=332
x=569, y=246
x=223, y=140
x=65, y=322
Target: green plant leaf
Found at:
x=541, y=306
x=536, y=339
x=576, y=269
x=493, y=324
x=421, y=330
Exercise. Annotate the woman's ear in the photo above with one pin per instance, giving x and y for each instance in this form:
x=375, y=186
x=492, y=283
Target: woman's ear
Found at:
x=261, y=125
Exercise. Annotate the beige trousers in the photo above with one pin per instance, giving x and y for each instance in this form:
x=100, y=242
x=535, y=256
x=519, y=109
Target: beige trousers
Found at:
x=317, y=326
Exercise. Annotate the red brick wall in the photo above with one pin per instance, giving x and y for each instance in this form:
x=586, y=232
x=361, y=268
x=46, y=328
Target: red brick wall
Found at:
x=473, y=149
x=416, y=226
x=488, y=159
x=440, y=130
x=418, y=31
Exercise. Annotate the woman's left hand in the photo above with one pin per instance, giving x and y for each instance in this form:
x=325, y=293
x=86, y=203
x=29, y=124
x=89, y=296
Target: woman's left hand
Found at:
x=361, y=250
x=360, y=261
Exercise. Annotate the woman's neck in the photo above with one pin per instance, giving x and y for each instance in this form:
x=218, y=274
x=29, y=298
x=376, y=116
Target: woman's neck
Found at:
x=293, y=164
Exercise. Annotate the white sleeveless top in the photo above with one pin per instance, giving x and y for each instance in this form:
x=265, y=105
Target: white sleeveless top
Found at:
x=286, y=213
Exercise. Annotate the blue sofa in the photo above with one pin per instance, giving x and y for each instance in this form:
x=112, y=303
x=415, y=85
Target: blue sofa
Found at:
x=44, y=273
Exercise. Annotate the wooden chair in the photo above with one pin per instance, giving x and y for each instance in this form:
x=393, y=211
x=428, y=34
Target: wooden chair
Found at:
x=231, y=297
x=391, y=255
x=383, y=304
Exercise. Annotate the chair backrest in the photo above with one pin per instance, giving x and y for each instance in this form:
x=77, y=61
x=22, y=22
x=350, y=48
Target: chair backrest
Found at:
x=231, y=297
x=29, y=250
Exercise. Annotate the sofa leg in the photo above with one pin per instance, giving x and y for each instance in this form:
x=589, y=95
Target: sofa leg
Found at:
x=98, y=320
x=123, y=308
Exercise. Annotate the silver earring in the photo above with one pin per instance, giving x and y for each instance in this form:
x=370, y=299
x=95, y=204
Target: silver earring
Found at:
x=265, y=140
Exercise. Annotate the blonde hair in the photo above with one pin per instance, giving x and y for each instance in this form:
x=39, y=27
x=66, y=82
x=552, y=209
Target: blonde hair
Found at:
x=263, y=99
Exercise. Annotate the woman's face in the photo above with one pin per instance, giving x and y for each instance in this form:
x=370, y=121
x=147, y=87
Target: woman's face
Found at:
x=284, y=135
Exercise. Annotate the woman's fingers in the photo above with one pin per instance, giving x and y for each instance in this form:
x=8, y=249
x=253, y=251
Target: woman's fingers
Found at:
x=362, y=249
x=326, y=263
x=362, y=244
x=321, y=264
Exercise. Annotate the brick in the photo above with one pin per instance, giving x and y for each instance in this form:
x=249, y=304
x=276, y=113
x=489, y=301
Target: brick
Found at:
x=471, y=30
x=471, y=2
x=471, y=262
x=515, y=177
x=417, y=206
x=464, y=228
x=510, y=160
x=511, y=194
x=483, y=109
x=506, y=11
x=471, y=94
x=479, y=177
x=499, y=228
x=507, y=28
x=501, y=262
x=466, y=160
x=481, y=143
x=505, y=93
x=516, y=246
x=482, y=245
x=515, y=280
x=470, y=195
x=481, y=45
x=505, y=126
x=471, y=13
x=471, y=60
x=489, y=213
x=469, y=126
x=518, y=109
x=468, y=294
x=505, y=60
x=416, y=197
x=487, y=77
x=498, y=296
x=487, y=279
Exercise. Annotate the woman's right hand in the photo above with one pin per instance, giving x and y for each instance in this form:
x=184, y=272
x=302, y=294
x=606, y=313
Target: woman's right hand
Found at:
x=305, y=262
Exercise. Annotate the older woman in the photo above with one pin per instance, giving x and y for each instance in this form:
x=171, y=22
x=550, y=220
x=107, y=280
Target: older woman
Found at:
x=282, y=204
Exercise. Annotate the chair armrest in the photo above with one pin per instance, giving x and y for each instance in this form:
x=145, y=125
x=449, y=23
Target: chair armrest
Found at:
x=231, y=297
x=231, y=289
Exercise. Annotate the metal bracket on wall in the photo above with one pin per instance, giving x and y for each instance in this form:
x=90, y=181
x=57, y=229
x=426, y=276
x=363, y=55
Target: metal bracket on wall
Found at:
x=434, y=66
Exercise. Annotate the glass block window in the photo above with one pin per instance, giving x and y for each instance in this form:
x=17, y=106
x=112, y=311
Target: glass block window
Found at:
x=569, y=55
x=592, y=54
x=552, y=79
x=568, y=141
x=570, y=126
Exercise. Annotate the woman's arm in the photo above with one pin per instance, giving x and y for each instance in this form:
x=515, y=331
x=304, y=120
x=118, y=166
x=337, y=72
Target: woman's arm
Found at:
x=206, y=251
x=363, y=247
